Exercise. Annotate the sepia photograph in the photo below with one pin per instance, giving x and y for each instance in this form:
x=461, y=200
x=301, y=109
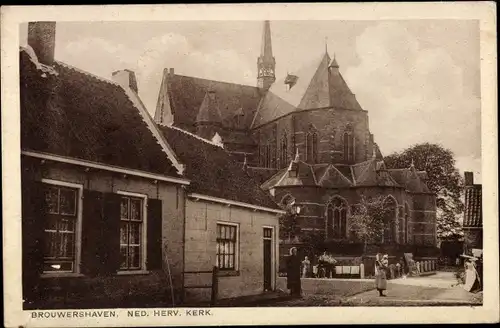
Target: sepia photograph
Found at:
x=175, y=168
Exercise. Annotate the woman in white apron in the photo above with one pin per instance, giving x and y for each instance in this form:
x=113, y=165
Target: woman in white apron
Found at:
x=381, y=266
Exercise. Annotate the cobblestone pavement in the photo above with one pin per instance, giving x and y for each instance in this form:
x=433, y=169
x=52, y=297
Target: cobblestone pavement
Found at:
x=439, y=289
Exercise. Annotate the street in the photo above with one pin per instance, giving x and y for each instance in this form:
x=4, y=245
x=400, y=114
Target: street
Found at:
x=439, y=289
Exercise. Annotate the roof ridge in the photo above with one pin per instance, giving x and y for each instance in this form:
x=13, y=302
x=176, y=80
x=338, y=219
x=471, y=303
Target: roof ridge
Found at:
x=143, y=112
x=193, y=135
x=79, y=70
x=218, y=81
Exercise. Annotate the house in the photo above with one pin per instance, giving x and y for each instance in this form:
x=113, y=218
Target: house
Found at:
x=230, y=221
x=108, y=215
x=102, y=191
x=473, y=215
x=306, y=139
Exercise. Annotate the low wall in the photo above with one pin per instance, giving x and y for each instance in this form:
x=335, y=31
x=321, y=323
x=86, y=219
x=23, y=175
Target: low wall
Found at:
x=118, y=291
x=336, y=287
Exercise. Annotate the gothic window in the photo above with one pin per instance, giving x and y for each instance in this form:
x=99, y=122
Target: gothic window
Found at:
x=348, y=146
x=315, y=147
x=284, y=150
x=336, y=219
x=309, y=147
x=312, y=147
x=267, y=156
x=390, y=218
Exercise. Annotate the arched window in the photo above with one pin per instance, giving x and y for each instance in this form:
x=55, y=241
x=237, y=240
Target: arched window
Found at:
x=309, y=147
x=315, y=148
x=390, y=218
x=287, y=201
x=284, y=150
x=336, y=219
x=348, y=146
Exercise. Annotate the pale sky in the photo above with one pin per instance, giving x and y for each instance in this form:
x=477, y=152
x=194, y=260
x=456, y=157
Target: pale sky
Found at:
x=419, y=80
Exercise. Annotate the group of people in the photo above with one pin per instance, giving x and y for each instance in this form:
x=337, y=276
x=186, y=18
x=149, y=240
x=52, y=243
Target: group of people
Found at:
x=323, y=269
x=297, y=268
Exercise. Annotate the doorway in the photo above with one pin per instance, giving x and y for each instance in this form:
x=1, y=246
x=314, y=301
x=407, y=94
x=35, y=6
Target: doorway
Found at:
x=268, y=258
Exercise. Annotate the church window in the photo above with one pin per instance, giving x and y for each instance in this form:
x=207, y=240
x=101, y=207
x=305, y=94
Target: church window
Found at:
x=390, y=207
x=284, y=150
x=348, y=146
x=312, y=147
x=315, y=147
x=336, y=219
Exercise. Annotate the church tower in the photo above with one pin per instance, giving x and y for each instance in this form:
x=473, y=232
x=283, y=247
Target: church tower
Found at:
x=265, y=63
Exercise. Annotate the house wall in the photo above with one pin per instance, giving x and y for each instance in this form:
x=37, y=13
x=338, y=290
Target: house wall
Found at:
x=116, y=290
x=201, y=246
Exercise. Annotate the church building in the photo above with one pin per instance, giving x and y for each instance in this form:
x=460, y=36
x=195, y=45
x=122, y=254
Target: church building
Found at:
x=306, y=139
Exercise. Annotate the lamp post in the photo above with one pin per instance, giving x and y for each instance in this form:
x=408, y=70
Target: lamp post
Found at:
x=295, y=209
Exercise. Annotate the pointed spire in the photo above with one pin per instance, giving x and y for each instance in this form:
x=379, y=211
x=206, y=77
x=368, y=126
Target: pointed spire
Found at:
x=334, y=63
x=266, y=50
x=266, y=64
x=326, y=44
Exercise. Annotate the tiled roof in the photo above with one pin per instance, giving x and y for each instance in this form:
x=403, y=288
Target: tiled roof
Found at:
x=186, y=95
x=333, y=178
x=213, y=172
x=261, y=174
x=410, y=178
x=78, y=115
x=473, y=216
x=369, y=173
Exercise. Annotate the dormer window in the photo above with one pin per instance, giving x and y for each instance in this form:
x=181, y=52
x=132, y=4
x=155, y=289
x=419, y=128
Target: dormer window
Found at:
x=290, y=81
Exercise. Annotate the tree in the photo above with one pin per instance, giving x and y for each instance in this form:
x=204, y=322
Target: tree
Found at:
x=288, y=226
x=443, y=179
x=367, y=220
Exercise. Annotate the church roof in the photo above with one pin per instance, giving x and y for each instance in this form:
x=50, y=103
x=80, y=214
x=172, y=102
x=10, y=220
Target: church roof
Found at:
x=318, y=84
x=410, y=178
x=370, y=173
x=213, y=172
x=473, y=216
x=75, y=114
x=237, y=103
x=209, y=109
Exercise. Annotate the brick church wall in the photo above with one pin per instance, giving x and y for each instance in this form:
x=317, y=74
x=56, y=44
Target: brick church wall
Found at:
x=423, y=219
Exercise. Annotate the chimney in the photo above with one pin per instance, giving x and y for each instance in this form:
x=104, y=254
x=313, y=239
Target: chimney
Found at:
x=126, y=78
x=171, y=71
x=469, y=178
x=42, y=39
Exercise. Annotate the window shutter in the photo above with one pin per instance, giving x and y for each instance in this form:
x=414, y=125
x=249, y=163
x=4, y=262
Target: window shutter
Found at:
x=92, y=232
x=33, y=215
x=154, y=232
x=111, y=233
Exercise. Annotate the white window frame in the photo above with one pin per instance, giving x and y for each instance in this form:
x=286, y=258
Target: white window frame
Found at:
x=144, y=238
x=236, y=246
x=78, y=227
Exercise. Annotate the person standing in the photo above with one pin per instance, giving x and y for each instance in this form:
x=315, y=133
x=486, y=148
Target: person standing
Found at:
x=381, y=266
x=293, y=273
x=306, y=267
